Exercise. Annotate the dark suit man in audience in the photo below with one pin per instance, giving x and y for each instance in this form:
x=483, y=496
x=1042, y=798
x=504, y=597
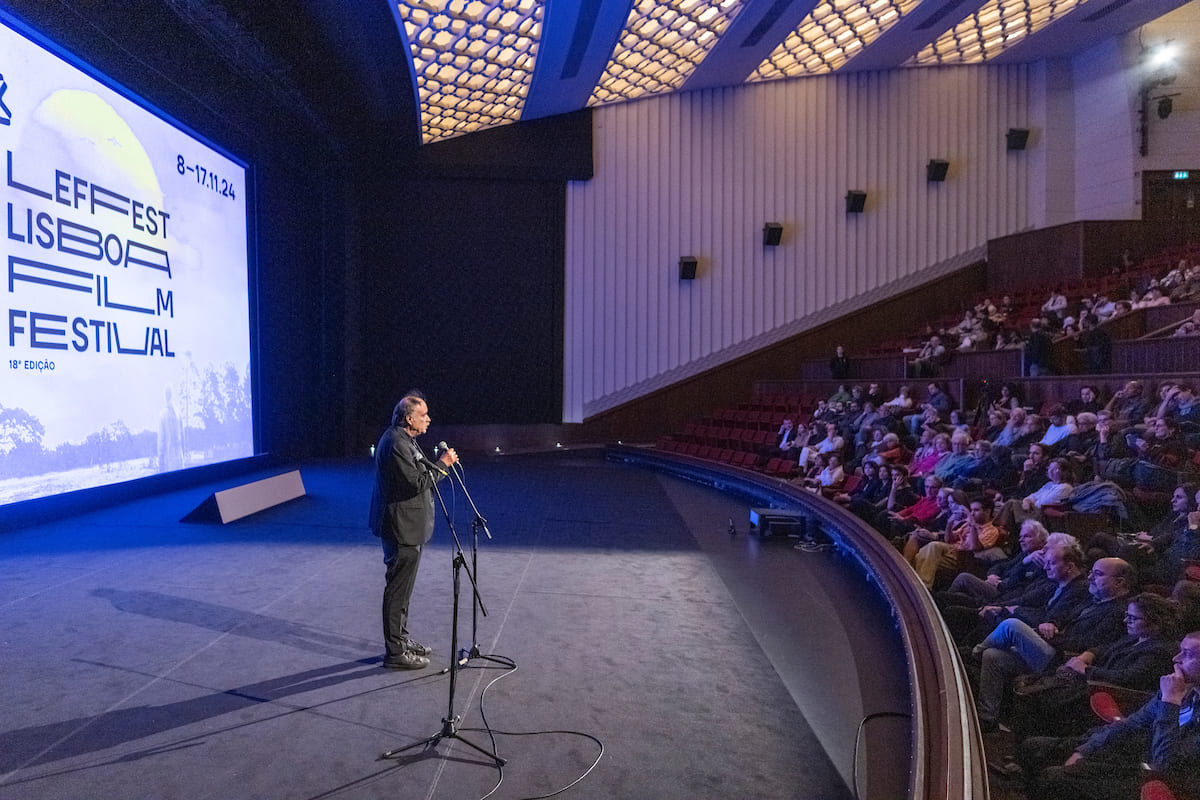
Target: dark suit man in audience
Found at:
x=1017, y=648
x=1003, y=577
x=1164, y=734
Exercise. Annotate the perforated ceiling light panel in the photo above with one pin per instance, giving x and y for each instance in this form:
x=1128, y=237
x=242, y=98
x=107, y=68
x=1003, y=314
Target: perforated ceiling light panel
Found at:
x=473, y=60
x=991, y=30
x=661, y=45
x=832, y=34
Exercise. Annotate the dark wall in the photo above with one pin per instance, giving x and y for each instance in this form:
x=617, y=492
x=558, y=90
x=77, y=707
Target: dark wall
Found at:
x=464, y=300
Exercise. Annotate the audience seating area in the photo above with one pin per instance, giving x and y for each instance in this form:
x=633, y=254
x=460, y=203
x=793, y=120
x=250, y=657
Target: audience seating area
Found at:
x=1053, y=485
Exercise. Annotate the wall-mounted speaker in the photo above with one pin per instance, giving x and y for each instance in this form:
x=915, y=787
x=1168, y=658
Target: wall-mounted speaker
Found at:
x=936, y=169
x=772, y=234
x=1017, y=138
x=687, y=268
x=856, y=201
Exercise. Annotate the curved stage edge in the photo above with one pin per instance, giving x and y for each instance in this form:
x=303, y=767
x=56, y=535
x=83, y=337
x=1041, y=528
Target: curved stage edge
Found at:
x=947, y=758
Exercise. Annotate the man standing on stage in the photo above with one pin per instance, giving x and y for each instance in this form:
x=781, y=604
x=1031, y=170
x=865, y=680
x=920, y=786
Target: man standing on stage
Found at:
x=402, y=518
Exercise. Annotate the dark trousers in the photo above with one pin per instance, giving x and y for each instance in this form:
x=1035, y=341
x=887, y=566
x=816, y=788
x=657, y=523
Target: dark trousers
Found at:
x=402, y=561
x=1041, y=759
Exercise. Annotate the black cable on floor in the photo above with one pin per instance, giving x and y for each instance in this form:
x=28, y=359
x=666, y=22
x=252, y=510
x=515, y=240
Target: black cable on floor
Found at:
x=493, y=732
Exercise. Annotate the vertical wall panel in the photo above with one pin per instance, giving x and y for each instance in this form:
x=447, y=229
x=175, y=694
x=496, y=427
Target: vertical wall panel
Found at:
x=700, y=173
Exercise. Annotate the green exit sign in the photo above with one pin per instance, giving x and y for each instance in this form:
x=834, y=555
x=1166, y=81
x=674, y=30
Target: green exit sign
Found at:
x=1181, y=174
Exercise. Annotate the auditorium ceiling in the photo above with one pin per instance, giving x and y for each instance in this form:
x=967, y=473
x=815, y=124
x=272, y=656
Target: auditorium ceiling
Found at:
x=476, y=64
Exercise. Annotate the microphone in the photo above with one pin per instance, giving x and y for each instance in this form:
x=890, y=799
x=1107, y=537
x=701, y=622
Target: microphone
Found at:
x=422, y=458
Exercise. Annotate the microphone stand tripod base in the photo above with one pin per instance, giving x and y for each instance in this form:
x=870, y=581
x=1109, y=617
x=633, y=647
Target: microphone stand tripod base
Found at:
x=449, y=731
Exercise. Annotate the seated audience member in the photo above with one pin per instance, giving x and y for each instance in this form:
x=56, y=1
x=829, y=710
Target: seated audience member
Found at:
x=978, y=472
x=1107, y=765
x=1058, y=704
x=1015, y=435
x=951, y=514
x=1056, y=488
x=1008, y=400
x=1066, y=583
x=1034, y=471
x=1017, y=648
x=870, y=488
x=903, y=400
x=1058, y=429
x=1182, y=405
x=975, y=535
x=886, y=450
x=832, y=443
x=858, y=428
x=934, y=447
x=920, y=514
x=788, y=438
x=1007, y=339
x=1153, y=297
x=929, y=358
x=1080, y=446
x=1186, y=597
x=937, y=402
x=1177, y=544
x=1128, y=405
x=1056, y=306
x=996, y=420
x=831, y=476
x=842, y=395
x=1001, y=474
x=1089, y=400
x=870, y=502
x=1187, y=408
x=875, y=395
x=1005, y=577
x=900, y=497
x=1030, y=601
x=824, y=413
x=1162, y=446
x=1190, y=326
x=1103, y=308
x=954, y=465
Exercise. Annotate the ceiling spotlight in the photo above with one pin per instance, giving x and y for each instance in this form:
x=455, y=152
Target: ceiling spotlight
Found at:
x=1162, y=56
x=1165, y=105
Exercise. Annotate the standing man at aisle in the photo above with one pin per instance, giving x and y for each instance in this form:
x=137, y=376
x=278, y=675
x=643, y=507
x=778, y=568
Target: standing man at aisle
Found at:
x=402, y=518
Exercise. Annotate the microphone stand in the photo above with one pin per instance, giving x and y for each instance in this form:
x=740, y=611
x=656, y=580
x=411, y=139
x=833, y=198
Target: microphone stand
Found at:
x=450, y=721
x=477, y=524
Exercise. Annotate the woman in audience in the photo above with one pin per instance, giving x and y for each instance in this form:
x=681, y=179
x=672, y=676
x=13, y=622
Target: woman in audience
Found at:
x=869, y=486
x=868, y=505
x=1057, y=705
x=939, y=448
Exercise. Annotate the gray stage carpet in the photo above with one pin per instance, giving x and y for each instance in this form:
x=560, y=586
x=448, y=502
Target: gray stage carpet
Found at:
x=144, y=657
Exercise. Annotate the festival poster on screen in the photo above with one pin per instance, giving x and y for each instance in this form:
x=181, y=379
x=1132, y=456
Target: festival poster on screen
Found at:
x=126, y=311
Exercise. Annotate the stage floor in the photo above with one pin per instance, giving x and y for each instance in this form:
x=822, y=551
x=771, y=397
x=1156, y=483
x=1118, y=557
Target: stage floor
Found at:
x=147, y=657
